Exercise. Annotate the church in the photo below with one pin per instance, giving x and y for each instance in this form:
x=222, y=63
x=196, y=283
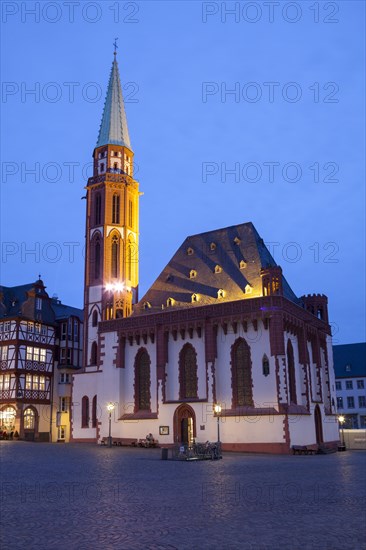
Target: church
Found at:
x=219, y=341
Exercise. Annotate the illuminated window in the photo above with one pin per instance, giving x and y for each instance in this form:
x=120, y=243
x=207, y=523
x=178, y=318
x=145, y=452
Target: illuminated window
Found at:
x=170, y=302
x=242, y=264
x=189, y=251
x=7, y=418
x=42, y=383
x=116, y=207
x=63, y=404
x=241, y=372
x=5, y=382
x=221, y=293
x=142, y=381
x=146, y=305
x=218, y=269
x=28, y=382
x=195, y=298
x=248, y=289
x=30, y=327
x=4, y=353
x=213, y=246
x=29, y=419
x=237, y=240
x=192, y=274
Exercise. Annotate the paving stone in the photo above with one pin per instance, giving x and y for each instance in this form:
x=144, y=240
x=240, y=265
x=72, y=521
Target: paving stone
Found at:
x=87, y=497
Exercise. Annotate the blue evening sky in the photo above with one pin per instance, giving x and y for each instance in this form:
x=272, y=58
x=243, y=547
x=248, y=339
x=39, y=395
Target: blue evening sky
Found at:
x=296, y=146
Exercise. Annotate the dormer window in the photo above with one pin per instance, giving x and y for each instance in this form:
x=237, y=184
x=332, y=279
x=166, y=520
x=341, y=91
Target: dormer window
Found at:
x=221, y=293
x=195, y=298
x=170, y=302
x=218, y=269
x=248, y=289
x=189, y=251
x=242, y=264
x=192, y=274
x=146, y=305
x=237, y=240
x=213, y=246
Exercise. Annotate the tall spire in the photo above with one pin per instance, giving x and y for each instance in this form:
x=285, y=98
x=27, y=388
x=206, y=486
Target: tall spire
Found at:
x=113, y=129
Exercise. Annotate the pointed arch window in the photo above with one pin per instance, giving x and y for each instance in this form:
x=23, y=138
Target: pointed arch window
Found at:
x=94, y=354
x=85, y=412
x=241, y=373
x=291, y=372
x=95, y=318
x=188, y=381
x=114, y=256
x=94, y=412
x=265, y=365
x=116, y=208
x=98, y=209
x=142, y=381
x=130, y=257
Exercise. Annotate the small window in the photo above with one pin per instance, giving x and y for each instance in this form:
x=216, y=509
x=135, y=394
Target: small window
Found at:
x=195, y=298
x=170, y=302
x=265, y=365
x=102, y=167
x=95, y=318
x=189, y=251
x=116, y=154
x=218, y=269
x=38, y=304
x=338, y=385
x=248, y=289
x=146, y=305
x=242, y=264
x=237, y=240
x=362, y=401
x=192, y=274
x=348, y=368
x=349, y=385
x=213, y=246
x=360, y=384
x=221, y=293
x=339, y=402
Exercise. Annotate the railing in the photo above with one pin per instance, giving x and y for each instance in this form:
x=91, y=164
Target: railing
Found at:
x=197, y=451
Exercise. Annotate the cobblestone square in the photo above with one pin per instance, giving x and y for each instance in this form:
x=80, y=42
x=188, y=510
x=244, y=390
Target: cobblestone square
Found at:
x=86, y=497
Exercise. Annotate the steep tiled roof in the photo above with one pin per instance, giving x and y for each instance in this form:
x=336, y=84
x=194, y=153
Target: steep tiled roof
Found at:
x=228, y=260
x=113, y=128
x=349, y=360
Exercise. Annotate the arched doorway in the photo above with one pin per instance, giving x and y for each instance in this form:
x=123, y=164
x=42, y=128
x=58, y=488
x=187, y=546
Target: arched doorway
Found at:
x=184, y=424
x=318, y=425
x=29, y=423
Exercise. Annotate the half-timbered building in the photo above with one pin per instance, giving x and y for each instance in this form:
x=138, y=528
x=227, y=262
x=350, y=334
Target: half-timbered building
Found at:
x=31, y=352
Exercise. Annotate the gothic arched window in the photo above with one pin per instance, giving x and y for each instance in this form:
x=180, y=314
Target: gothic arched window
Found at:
x=241, y=373
x=96, y=256
x=114, y=256
x=85, y=412
x=115, y=208
x=142, y=381
x=95, y=318
x=98, y=209
x=265, y=365
x=188, y=382
x=131, y=257
x=94, y=354
x=291, y=372
x=94, y=412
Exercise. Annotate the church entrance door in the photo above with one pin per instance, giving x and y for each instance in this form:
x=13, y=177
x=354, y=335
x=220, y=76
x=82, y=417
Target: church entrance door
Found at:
x=184, y=423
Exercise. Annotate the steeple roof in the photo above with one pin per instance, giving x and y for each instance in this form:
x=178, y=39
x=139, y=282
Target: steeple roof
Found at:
x=113, y=129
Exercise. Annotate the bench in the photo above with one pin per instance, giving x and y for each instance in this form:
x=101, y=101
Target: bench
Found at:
x=120, y=441
x=303, y=450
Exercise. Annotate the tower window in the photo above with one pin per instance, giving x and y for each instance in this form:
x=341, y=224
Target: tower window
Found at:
x=265, y=365
x=98, y=209
x=94, y=354
x=115, y=154
x=130, y=213
x=102, y=167
x=97, y=259
x=115, y=254
x=116, y=208
x=95, y=318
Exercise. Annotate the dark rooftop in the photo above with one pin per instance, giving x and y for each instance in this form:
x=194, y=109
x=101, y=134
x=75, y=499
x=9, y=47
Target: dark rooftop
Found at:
x=350, y=360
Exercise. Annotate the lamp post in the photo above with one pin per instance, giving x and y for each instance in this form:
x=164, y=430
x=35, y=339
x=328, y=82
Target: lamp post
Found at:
x=341, y=420
x=110, y=408
x=217, y=409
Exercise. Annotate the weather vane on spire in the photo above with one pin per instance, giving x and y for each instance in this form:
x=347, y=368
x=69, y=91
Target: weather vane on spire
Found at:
x=115, y=46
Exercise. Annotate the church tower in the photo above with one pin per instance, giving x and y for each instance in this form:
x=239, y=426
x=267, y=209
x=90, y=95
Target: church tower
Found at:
x=111, y=258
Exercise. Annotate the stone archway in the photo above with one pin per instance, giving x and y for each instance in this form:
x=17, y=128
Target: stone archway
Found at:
x=184, y=424
x=318, y=425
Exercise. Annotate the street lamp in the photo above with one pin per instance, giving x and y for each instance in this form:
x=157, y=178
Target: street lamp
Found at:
x=341, y=420
x=217, y=409
x=110, y=408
